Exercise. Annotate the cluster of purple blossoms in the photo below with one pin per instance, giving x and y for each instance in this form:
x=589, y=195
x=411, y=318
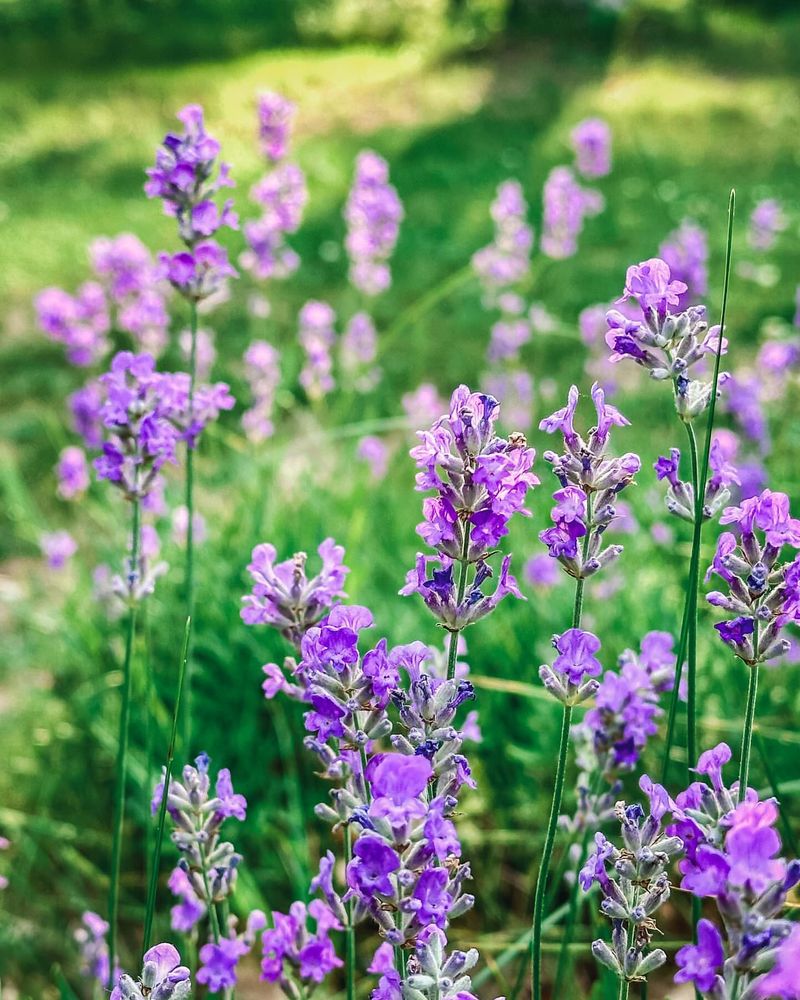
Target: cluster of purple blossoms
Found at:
x=72, y=472
x=317, y=336
x=680, y=498
x=219, y=959
x=512, y=331
x=136, y=581
x=591, y=140
x=571, y=678
x=375, y=452
x=186, y=178
x=744, y=400
x=147, y=413
x=634, y=884
x=665, y=342
x=85, y=405
x=135, y=287
x=58, y=547
x=566, y=206
x=210, y=865
x=283, y=596
x=591, y=480
x=481, y=480
x=91, y=940
x=763, y=593
x=295, y=958
x=358, y=350
x=767, y=222
x=162, y=977
x=263, y=373
x=80, y=322
x=685, y=252
x=732, y=854
x=282, y=195
x=373, y=214
x=506, y=260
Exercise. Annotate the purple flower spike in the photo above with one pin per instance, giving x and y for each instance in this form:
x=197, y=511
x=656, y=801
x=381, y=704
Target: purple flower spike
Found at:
x=782, y=979
x=373, y=214
x=576, y=659
x=591, y=140
x=700, y=963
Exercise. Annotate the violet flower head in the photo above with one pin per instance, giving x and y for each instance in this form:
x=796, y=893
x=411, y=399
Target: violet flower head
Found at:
x=685, y=252
x=290, y=950
x=506, y=260
x=162, y=977
x=275, y=117
x=585, y=470
x=762, y=593
x=373, y=214
x=679, y=498
x=73, y=473
x=85, y=405
x=566, y=206
x=282, y=195
x=283, y=595
x=782, y=980
x=591, y=140
x=358, y=350
x=91, y=940
x=263, y=374
x=571, y=677
x=374, y=451
x=668, y=339
x=317, y=336
x=767, y=221
x=58, y=547
x=80, y=322
x=701, y=963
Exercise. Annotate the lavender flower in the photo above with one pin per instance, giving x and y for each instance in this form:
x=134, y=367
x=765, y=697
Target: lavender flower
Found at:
x=506, y=260
x=317, y=336
x=162, y=977
x=197, y=815
x=590, y=481
x=685, y=252
x=423, y=405
x=373, y=214
x=284, y=597
x=58, y=547
x=282, y=195
x=637, y=885
x=85, y=407
x=91, y=939
x=591, y=140
x=81, y=322
x=680, y=499
x=571, y=677
x=767, y=222
x=186, y=178
x=291, y=952
x=665, y=342
x=782, y=979
x=358, y=350
x=275, y=117
x=763, y=593
x=566, y=206
x=263, y=374
x=220, y=959
x=72, y=472
x=375, y=453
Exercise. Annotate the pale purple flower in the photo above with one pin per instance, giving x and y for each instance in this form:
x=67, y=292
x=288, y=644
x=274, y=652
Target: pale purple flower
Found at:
x=80, y=322
x=701, y=963
x=375, y=453
x=566, y=206
x=58, y=547
x=180, y=524
x=591, y=140
x=373, y=214
x=783, y=980
x=767, y=221
x=685, y=251
x=73, y=473
x=275, y=117
x=263, y=374
x=423, y=405
x=506, y=260
x=541, y=571
x=317, y=336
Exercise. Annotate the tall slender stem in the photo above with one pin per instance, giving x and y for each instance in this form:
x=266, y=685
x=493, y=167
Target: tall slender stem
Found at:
x=700, y=478
x=624, y=986
x=452, y=653
x=747, y=734
x=189, y=574
x=162, y=810
x=547, y=852
x=572, y=915
x=350, y=930
x=122, y=755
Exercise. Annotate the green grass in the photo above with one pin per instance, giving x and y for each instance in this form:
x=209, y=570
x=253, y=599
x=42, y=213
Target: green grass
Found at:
x=688, y=124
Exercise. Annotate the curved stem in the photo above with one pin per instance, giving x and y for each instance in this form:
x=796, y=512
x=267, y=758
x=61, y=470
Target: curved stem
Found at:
x=452, y=652
x=189, y=572
x=162, y=809
x=122, y=755
x=747, y=734
x=547, y=852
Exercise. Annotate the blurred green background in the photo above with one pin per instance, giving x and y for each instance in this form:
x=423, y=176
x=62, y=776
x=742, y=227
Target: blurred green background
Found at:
x=458, y=95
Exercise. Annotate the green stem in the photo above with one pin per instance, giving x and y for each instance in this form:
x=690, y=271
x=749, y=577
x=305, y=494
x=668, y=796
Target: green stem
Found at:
x=700, y=479
x=122, y=757
x=541, y=882
x=189, y=573
x=569, y=923
x=350, y=930
x=162, y=810
x=747, y=735
x=788, y=833
x=452, y=653
x=624, y=986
